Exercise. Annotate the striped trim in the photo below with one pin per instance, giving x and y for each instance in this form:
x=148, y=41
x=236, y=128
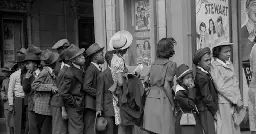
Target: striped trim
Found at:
x=185, y=72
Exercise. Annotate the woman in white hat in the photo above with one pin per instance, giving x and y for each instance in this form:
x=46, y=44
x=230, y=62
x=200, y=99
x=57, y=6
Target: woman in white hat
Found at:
x=119, y=42
x=229, y=97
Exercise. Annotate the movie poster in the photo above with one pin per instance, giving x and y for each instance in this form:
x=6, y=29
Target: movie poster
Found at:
x=212, y=22
x=8, y=42
x=143, y=52
x=142, y=15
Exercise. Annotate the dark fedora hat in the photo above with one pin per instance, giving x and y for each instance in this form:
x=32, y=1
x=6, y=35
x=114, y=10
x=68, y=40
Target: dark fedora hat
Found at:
x=31, y=57
x=34, y=49
x=93, y=49
x=200, y=53
x=73, y=51
x=49, y=57
x=8, y=67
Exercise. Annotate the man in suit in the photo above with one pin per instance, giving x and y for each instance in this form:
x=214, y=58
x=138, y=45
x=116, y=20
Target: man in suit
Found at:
x=104, y=97
x=59, y=113
x=71, y=90
x=95, y=54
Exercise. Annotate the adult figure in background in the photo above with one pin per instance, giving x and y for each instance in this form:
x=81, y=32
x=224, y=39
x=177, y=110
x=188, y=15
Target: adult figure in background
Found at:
x=206, y=94
x=159, y=105
x=252, y=92
x=229, y=103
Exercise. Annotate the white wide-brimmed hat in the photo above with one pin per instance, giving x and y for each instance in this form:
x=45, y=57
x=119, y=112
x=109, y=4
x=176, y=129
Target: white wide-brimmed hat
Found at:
x=120, y=40
x=222, y=42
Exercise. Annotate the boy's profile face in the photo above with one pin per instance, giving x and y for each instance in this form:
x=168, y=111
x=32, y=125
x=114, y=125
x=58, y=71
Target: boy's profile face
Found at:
x=99, y=57
x=79, y=60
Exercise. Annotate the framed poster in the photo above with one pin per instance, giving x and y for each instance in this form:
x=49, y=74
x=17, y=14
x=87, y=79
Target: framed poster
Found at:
x=142, y=15
x=212, y=22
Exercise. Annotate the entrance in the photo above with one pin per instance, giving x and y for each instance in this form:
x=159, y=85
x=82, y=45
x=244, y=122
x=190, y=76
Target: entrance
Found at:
x=86, y=32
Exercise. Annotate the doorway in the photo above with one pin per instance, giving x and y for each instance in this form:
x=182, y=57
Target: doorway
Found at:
x=86, y=32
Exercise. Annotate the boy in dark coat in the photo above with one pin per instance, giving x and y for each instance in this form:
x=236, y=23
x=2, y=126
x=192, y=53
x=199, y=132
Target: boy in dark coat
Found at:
x=59, y=113
x=71, y=90
x=104, y=97
x=207, y=96
x=95, y=54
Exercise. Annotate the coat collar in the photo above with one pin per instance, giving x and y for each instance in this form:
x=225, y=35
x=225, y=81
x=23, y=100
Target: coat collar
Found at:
x=77, y=72
x=203, y=70
x=219, y=62
x=179, y=88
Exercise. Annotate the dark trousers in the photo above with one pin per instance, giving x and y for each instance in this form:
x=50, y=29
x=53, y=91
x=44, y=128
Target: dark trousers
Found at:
x=89, y=120
x=75, y=121
x=125, y=129
x=207, y=122
x=59, y=125
x=9, y=121
x=19, y=116
x=39, y=124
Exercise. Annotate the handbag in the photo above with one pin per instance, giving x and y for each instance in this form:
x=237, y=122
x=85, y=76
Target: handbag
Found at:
x=187, y=119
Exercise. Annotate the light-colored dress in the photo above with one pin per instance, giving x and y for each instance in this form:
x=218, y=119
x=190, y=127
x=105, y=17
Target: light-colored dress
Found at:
x=117, y=66
x=158, y=112
x=229, y=94
x=252, y=91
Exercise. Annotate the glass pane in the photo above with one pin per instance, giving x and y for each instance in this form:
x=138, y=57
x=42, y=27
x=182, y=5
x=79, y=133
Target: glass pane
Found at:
x=247, y=40
x=212, y=22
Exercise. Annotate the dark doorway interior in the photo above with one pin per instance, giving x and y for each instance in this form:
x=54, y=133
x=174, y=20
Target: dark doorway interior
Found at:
x=86, y=32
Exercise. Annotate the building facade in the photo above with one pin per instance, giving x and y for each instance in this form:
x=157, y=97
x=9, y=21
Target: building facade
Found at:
x=83, y=22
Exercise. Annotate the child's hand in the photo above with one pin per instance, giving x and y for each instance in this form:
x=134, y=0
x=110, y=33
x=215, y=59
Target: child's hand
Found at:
x=64, y=114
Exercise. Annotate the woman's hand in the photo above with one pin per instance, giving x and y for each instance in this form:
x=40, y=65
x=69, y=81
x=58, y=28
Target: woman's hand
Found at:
x=239, y=105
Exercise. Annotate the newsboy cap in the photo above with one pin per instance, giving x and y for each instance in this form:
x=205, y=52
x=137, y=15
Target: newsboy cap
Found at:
x=200, y=53
x=60, y=43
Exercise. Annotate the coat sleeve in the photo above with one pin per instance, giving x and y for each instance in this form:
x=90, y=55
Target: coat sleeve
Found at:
x=38, y=83
x=65, y=88
x=185, y=101
x=226, y=90
x=100, y=93
x=207, y=97
x=88, y=80
x=11, y=88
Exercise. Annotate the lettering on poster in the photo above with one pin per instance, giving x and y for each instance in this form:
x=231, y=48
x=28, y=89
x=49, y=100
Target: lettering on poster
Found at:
x=212, y=22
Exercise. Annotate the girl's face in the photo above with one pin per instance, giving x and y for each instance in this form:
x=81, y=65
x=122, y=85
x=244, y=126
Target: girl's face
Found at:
x=146, y=45
x=225, y=53
x=30, y=65
x=188, y=80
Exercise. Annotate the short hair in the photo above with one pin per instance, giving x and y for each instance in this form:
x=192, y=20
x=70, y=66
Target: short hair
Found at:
x=216, y=51
x=165, y=48
x=202, y=25
x=247, y=4
x=109, y=56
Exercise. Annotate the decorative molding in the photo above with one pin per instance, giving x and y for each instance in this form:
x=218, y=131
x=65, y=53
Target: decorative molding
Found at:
x=19, y=6
x=73, y=4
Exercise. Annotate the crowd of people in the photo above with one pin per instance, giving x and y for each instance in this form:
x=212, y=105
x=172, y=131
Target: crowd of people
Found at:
x=65, y=92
